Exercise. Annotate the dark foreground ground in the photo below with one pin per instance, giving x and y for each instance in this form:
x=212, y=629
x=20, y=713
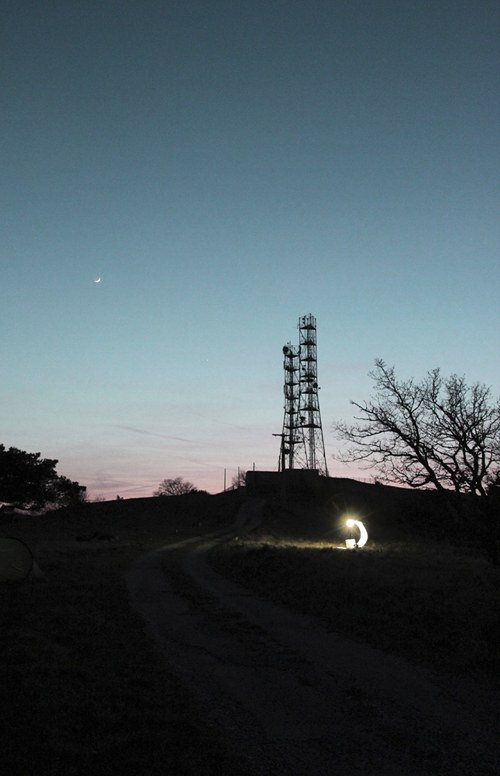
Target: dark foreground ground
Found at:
x=83, y=688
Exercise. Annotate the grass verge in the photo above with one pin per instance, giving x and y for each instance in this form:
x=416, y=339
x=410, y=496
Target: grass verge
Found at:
x=436, y=605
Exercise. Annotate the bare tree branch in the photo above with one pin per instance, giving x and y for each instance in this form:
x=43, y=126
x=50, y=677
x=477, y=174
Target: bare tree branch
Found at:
x=174, y=487
x=439, y=433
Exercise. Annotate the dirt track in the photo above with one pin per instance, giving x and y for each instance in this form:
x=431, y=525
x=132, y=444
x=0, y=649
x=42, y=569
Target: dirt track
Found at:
x=293, y=698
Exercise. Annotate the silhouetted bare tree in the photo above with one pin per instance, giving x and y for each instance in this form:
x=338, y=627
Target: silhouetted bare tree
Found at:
x=439, y=433
x=175, y=487
x=239, y=480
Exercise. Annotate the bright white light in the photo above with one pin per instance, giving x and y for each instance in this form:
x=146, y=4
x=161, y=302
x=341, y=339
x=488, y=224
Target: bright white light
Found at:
x=362, y=530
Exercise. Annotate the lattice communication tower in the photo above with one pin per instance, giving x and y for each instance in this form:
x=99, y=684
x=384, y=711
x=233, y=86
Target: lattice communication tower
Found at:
x=292, y=435
x=302, y=441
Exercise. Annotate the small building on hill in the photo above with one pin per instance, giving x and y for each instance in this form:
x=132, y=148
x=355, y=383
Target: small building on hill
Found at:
x=297, y=481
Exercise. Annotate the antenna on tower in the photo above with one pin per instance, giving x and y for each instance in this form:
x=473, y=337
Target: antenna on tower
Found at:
x=302, y=442
x=291, y=432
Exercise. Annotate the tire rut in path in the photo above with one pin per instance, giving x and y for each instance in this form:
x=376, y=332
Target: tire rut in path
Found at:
x=291, y=697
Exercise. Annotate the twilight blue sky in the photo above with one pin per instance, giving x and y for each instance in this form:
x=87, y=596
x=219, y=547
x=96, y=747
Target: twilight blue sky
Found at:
x=226, y=166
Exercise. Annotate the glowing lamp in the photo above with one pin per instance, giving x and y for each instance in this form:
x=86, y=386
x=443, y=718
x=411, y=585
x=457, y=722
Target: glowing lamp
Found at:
x=363, y=538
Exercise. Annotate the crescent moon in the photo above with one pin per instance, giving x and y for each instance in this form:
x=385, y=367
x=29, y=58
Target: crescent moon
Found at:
x=98, y=280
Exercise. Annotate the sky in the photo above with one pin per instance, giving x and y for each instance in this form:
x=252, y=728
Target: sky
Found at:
x=226, y=167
